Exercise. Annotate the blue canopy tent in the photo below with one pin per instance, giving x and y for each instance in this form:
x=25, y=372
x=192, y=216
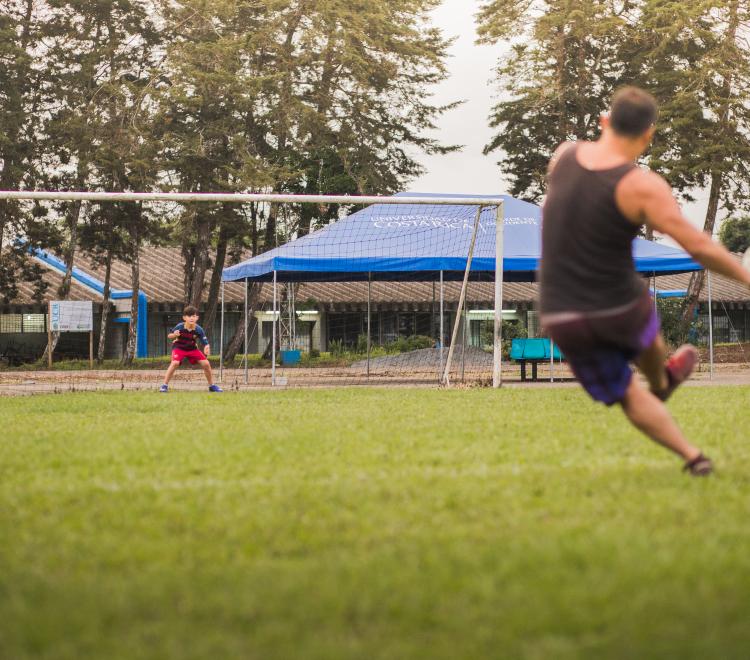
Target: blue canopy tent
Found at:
x=418, y=242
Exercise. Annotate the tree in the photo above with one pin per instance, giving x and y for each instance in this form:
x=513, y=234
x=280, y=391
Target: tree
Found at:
x=735, y=233
x=559, y=75
x=22, y=86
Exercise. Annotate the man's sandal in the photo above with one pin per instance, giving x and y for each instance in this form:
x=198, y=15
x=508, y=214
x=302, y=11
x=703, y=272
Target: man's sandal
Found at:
x=700, y=466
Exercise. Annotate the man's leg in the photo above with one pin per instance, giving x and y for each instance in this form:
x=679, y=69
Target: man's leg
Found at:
x=651, y=363
x=648, y=414
x=206, y=366
x=665, y=376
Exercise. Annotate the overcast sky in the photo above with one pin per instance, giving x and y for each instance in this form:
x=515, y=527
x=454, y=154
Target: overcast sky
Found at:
x=470, y=68
x=471, y=72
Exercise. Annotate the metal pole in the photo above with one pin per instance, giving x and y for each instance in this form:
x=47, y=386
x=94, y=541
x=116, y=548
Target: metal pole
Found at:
x=551, y=361
x=462, y=297
x=442, y=331
x=497, y=343
x=369, y=282
x=710, y=328
x=432, y=313
x=656, y=307
x=273, y=335
x=221, y=338
x=463, y=349
x=240, y=198
x=246, y=285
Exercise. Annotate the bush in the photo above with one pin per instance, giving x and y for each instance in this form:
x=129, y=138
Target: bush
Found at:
x=412, y=343
x=336, y=347
x=361, y=345
x=511, y=330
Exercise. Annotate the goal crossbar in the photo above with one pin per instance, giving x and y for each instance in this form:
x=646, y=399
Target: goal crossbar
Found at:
x=241, y=198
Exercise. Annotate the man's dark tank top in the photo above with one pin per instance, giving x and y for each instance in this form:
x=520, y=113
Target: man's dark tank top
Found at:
x=587, y=259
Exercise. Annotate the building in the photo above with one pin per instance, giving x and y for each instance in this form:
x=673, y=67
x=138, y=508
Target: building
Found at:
x=325, y=312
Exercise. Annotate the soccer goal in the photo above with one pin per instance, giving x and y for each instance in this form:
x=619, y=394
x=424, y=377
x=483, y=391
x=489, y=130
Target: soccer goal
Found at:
x=321, y=289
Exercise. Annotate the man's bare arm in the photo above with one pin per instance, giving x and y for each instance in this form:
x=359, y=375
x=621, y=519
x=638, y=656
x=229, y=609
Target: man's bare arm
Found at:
x=644, y=196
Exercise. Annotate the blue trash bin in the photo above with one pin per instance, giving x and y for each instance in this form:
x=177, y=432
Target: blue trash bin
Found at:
x=290, y=358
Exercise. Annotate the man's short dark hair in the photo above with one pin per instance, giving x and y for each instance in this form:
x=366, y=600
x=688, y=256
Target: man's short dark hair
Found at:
x=633, y=111
x=190, y=311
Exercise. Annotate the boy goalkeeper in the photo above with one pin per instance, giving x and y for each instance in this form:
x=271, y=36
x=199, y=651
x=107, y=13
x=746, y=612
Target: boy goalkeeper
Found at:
x=184, y=346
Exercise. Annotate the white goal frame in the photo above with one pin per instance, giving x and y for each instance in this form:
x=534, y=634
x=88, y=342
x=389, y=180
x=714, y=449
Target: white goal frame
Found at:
x=242, y=198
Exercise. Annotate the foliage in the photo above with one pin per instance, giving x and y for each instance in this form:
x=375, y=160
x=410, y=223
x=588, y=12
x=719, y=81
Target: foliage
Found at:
x=670, y=316
x=511, y=329
x=561, y=68
x=233, y=95
x=381, y=523
x=336, y=347
x=735, y=233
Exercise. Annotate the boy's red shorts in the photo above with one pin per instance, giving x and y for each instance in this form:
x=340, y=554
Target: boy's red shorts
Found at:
x=195, y=356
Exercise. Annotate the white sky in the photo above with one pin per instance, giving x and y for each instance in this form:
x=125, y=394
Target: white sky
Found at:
x=471, y=71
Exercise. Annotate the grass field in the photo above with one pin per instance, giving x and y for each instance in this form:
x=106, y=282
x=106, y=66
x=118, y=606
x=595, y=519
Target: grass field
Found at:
x=521, y=523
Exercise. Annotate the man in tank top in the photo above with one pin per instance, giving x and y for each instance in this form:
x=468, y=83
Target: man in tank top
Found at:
x=593, y=303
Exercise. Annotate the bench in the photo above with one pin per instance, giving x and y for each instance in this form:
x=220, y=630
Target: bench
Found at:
x=533, y=350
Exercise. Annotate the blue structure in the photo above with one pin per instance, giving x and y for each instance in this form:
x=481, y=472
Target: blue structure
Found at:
x=417, y=242
x=671, y=293
x=115, y=294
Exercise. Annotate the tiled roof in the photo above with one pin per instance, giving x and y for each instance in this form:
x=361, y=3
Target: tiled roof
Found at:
x=161, y=276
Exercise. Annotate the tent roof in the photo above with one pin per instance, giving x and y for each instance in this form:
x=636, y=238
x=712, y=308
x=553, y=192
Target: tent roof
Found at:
x=418, y=241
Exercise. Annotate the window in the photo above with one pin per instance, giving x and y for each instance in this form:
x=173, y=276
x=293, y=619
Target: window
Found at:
x=23, y=323
x=532, y=323
x=34, y=323
x=11, y=323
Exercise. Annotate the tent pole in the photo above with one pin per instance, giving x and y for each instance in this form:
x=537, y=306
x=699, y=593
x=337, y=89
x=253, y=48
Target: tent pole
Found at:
x=442, y=332
x=369, y=283
x=551, y=360
x=462, y=297
x=710, y=328
x=432, y=312
x=246, y=285
x=497, y=334
x=221, y=337
x=463, y=348
x=273, y=335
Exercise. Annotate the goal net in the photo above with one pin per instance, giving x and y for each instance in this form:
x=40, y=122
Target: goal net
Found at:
x=314, y=290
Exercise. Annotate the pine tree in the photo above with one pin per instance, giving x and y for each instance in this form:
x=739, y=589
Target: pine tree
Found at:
x=559, y=76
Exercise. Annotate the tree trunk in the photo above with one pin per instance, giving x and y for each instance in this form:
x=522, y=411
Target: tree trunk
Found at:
x=697, y=279
x=213, y=292
x=254, y=227
x=130, y=349
x=695, y=287
x=188, y=257
x=271, y=227
x=64, y=290
x=105, y=309
x=200, y=263
x=236, y=343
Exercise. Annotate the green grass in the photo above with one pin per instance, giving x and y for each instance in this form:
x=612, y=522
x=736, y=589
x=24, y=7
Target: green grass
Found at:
x=521, y=523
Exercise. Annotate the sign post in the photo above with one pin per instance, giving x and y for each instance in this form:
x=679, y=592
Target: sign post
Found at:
x=71, y=316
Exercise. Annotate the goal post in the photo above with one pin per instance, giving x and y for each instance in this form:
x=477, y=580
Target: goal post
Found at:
x=387, y=274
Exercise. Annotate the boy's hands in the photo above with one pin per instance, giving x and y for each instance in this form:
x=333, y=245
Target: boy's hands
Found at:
x=206, y=350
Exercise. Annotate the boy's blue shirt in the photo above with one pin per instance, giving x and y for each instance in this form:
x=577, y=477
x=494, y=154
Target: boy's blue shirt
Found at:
x=186, y=340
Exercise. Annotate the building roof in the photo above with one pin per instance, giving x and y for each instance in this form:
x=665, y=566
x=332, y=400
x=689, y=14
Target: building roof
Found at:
x=161, y=275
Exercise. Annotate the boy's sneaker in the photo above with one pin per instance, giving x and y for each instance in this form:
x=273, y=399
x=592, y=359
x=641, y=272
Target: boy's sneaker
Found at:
x=164, y=388
x=679, y=367
x=214, y=388
x=700, y=466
